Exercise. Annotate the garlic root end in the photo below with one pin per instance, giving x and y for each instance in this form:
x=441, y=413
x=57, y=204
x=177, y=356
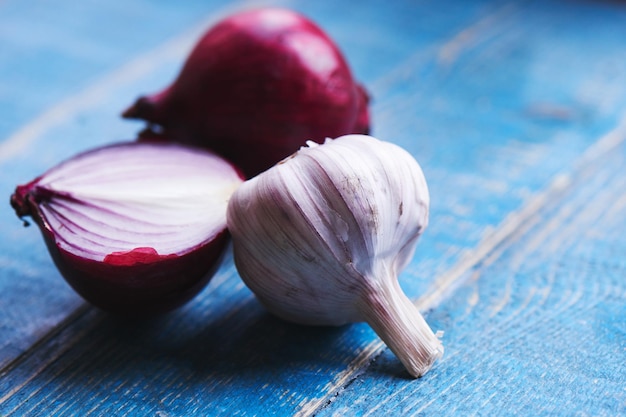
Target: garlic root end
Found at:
x=398, y=322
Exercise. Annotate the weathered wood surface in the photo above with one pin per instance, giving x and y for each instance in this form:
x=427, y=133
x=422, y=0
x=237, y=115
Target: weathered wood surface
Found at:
x=517, y=113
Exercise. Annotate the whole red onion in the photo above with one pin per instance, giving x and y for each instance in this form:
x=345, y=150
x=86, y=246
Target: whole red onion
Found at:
x=257, y=86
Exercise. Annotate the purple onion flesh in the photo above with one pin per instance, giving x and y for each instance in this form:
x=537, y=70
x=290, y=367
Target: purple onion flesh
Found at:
x=135, y=227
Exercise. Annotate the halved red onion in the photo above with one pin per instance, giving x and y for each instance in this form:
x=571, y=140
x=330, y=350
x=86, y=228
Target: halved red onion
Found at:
x=135, y=227
x=256, y=87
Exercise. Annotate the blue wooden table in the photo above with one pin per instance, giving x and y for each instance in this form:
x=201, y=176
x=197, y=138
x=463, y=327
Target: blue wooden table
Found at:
x=516, y=111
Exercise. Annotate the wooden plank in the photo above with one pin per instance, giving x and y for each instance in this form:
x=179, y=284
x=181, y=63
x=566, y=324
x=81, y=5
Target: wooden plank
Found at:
x=222, y=354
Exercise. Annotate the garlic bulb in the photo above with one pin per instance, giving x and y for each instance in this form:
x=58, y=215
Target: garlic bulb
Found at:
x=321, y=237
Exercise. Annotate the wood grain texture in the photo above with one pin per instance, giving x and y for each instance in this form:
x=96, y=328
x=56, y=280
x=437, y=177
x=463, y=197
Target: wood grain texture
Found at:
x=515, y=111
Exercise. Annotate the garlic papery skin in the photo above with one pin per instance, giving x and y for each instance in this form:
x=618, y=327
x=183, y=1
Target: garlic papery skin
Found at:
x=321, y=237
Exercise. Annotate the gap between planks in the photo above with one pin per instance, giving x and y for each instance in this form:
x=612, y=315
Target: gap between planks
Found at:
x=511, y=227
x=54, y=352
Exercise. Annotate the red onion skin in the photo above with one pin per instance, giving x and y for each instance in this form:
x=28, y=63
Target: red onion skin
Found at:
x=141, y=288
x=256, y=87
x=146, y=285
